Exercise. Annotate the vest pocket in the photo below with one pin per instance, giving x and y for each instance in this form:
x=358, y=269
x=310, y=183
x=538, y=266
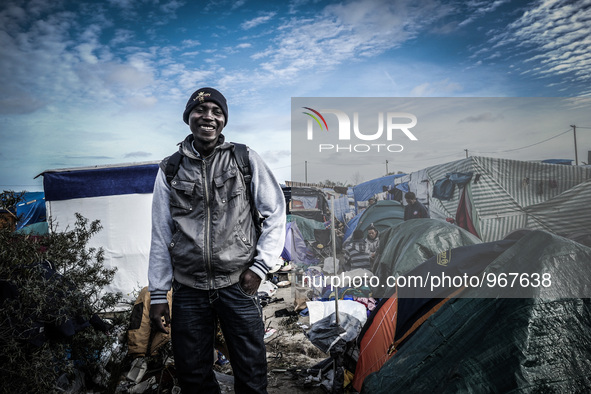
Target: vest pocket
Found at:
x=181, y=193
x=228, y=186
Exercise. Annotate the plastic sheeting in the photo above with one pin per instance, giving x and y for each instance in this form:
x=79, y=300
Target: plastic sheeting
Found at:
x=31, y=210
x=295, y=248
x=306, y=226
x=326, y=333
x=538, y=343
x=364, y=191
x=121, y=198
x=409, y=244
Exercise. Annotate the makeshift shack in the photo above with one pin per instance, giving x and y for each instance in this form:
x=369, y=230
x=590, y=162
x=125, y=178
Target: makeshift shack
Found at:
x=492, y=197
x=120, y=196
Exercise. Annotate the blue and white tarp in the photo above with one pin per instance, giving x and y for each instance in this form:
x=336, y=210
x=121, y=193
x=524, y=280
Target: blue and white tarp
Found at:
x=120, y=196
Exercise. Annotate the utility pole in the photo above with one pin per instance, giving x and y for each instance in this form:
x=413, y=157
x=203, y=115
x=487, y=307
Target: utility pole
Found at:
x=306, y=171
x=575, y=136
x=387, y=167
x=466, y=153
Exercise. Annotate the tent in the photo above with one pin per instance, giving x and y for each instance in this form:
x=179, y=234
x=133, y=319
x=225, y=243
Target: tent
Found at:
x=497, y=337
x=404, y=247
x=295, y=248
x=306, y=226
x=502, y=195
x=31, y=209
x=397, y=316
x=383, y=214
x=120, y=196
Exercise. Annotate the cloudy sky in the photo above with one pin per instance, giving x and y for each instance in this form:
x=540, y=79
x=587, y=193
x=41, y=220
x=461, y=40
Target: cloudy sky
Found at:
x=87, y=83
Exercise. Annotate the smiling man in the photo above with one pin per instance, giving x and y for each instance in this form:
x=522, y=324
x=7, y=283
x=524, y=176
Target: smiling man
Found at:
x=208, y=247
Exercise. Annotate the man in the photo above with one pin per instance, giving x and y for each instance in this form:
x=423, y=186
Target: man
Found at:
x=205, y=246
x=414, y=209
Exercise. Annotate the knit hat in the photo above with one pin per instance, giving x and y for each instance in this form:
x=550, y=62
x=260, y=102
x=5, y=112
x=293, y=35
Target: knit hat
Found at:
x=202, y=95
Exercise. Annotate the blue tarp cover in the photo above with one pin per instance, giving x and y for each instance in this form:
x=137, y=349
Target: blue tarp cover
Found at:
x=66, y=185
x=368, y=189
x=31, y=209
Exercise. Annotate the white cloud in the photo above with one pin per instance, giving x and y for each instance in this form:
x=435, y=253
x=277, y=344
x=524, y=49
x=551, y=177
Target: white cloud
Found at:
x=249, y=24
x=554, y=36
x=346, y=32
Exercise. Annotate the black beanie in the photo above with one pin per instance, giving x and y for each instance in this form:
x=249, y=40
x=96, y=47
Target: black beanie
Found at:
x=202, y=95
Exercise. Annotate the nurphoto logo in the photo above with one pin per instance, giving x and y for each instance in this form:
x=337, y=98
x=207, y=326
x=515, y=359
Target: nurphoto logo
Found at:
x=389, y=125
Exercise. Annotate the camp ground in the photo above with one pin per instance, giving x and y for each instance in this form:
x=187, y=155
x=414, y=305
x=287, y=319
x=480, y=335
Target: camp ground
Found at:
x=493, y=220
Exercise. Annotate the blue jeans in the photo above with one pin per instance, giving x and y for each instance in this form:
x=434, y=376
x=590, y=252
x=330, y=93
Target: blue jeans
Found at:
x=193, y=326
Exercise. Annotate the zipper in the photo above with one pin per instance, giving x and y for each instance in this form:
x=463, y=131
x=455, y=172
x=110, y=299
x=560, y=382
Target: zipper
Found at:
x=207, y=235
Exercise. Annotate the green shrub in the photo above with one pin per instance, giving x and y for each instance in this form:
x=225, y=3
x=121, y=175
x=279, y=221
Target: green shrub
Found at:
x=34, y=351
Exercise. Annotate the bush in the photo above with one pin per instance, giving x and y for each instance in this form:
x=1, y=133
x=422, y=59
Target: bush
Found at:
x=50, y=305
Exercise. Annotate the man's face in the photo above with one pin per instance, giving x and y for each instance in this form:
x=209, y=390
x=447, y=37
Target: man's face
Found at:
x=410, y=201
x=372, y=234
x=206, y=122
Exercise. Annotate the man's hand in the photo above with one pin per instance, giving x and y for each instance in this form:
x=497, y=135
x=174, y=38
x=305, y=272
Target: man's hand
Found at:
x=249, y=281
x=157, y=312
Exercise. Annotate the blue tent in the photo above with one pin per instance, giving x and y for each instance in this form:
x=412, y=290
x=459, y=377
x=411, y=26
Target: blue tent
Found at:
x=31, y=210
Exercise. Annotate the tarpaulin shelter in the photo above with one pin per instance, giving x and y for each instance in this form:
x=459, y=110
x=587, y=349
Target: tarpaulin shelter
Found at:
x=409, y=244
x=295, y=249
x=383, y=214
x=364, y=191
x=496, y=338
x=504, y=338
x=31, y=209
x=120, y=196
x=306, y=226
x=503, y=195
x=309, y=202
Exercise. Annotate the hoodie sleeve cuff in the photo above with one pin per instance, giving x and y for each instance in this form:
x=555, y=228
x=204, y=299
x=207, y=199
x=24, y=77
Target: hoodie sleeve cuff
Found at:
x=260, y=269
x=158, y=297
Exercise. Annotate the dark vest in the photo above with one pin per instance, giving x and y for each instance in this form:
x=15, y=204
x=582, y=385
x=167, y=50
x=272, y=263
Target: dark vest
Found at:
x=214, y=239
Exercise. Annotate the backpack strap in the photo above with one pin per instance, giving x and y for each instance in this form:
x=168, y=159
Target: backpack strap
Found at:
x=243, y=161
x=172, y=166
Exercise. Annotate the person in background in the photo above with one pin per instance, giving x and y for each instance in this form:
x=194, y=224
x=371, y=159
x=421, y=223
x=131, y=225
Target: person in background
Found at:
x=414, y=209
x=372, y=243
x=355, y=254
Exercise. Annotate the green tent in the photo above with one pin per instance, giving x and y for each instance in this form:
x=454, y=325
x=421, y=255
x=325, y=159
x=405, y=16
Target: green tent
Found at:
x=499, y=339
x=383, y=214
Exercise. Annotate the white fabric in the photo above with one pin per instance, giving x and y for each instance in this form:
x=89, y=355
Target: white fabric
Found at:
x=125, y=236
x=320, y=309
